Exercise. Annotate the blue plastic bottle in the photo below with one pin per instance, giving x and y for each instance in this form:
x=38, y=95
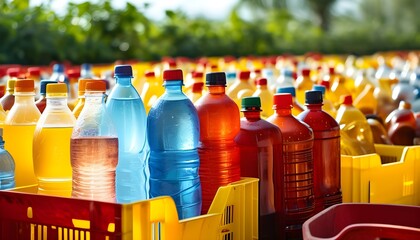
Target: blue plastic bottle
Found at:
x=7, y=166
x=58, y=74
x=173, y=133
x=129, y=116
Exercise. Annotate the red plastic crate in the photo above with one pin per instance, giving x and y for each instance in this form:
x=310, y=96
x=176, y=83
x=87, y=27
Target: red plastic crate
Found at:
x=364, y=221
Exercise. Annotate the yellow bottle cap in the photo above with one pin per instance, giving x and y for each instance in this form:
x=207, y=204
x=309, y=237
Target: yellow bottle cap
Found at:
x=11, y=85
x=56, y=90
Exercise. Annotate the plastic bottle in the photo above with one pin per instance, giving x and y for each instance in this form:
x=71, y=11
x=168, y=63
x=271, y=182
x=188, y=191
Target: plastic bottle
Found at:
x=403, y=91
x=260, y=147
x=338, y=87
x=173, y=133
x=285, y=79
x=241, y=83
x=73, y=76
x=152, y=90
x=382, y=93
x=8, y=99
x=19, y=128
x=129, y=116
x=94, y=148
x=366, y=101
x=266, y=97
x=328, y=104
x=401, y=125
x=297, y=107
x=41, y=102
x=219, y=125
x=58, y=74
x=7, y=167
x=303, y=84
x=326, y=152
x=230, y=78
x=2, y=91
x=35, y=74
x=379, y=133
x=298, y=196
x=356, y=135
x=86, y=71
x=81, y=96
x=196, y=91
x=51, y=143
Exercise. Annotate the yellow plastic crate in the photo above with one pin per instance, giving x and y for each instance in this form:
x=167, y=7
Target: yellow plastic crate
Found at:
x=391, y=176
x=233, y=215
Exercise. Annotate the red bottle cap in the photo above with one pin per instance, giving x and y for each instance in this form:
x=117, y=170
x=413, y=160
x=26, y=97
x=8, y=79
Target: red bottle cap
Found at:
x=197, y=87
x=73, y=74
x=262, y=82
x=13, y=72
x=244, y=75
x=149, y=74
x=34, y=71
x=197, y=74
x=306, y=72
x=173, y=75
x=282, y=100
x=331, y=70
x=325, y=83
x=346, y=99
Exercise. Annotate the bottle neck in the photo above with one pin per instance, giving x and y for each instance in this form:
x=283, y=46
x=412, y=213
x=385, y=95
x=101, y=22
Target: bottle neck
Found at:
x=23, y=97
x=56, y=102
x=173, y=86
x=314, y=106
x=94, y=98
x=262, y=87
x=252, y=115
x=283, y=111
x=124, y=81
x=218, y=89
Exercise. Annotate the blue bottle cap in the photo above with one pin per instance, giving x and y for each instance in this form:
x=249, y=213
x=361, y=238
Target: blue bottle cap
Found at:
x=319, y=88
x=290, y=90
x=216, y=79
x=86, y=66
x=59, y=68
x=123, y=71
x=43, y=86
x=231, y=75
x=313, y=97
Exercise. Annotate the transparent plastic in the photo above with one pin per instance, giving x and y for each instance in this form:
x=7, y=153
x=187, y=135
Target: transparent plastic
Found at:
x=8, y=99
x=260, y=148
x=241, y=83
x=401, y=125
x=19, y=128
x=127, y=112
x=298, y=193
x=219, y=155
x=7, y=167
x=51, y=145
x=152, y=90
x=173, y=134
x=326, y=154
x=94, y=150
x=266, y=98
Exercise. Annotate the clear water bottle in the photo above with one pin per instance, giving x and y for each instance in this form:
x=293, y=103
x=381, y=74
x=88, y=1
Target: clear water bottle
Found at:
x=173, y=134
x=94, y=148
x=86, y=71
x=7, y=166
x=129, y=116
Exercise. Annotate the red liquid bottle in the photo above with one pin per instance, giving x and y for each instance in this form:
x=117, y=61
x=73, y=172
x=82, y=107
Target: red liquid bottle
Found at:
x=260, y=148
x=401, y=125
x=219, y=125
x=298, y=189
x=326, y=152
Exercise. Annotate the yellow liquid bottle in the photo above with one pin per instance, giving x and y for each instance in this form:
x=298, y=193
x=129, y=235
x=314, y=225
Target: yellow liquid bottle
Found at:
x=81, y=96
x=51, y=144
x=357, y=137
x=303, y=84
x=266, y=98
x=328, y=104
x=241, y=83
x=152, y=90
x=19, y=130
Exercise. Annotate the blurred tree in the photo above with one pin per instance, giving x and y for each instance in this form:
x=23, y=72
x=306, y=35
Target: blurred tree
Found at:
x=322, y=9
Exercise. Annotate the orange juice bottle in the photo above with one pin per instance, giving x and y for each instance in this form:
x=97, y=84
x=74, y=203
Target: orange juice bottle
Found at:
x=19, y=128
x=303, y=84
x=152, y=90
x=51, y=144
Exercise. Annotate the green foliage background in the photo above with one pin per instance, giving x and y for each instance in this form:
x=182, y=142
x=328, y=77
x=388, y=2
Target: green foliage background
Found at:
x=97, y=33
